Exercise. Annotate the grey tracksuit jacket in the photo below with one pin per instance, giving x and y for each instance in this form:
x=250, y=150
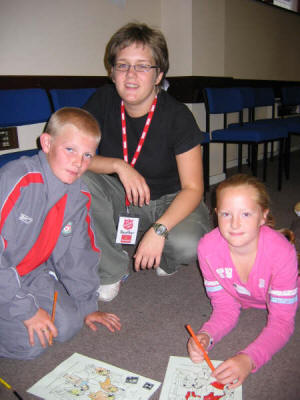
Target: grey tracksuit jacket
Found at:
x=46, y=244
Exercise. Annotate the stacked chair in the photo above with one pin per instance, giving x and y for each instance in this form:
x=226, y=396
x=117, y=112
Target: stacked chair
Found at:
x=70, y=97
x=253, y=99
x=225, y=101
x=22, y=107
x=290, y=96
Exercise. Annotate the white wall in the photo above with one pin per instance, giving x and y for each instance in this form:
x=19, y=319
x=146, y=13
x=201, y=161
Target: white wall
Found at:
x=176, y=23
x=64, y=37
x=240, y=38
x=262, y=42
x=209, y=37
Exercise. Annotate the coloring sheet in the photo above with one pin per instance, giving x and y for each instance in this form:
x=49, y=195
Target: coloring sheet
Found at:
x=83, y=378
x=185, y=380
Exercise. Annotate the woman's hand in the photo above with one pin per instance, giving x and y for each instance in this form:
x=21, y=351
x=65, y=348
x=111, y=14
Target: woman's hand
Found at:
x=111, y=321
x=195, y=353
x=135, y=186
x=234, y=370
x=149, y=251
x=41, y=324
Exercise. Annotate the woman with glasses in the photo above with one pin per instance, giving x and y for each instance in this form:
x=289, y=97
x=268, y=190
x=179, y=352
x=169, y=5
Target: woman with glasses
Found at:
x=146, y=183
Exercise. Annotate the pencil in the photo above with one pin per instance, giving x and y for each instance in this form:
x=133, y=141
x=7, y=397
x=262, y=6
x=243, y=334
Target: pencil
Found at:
x=53, y=316
x=10, y=388
x=207, y=359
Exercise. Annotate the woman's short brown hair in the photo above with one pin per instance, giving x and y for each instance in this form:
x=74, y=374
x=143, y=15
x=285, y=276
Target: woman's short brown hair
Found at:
x=141, y=34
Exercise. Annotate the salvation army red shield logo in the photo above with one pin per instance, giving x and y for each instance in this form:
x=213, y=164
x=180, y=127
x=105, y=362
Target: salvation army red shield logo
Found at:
x=128, y=224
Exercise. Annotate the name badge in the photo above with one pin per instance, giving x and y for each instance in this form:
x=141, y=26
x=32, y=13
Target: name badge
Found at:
x=127, y=229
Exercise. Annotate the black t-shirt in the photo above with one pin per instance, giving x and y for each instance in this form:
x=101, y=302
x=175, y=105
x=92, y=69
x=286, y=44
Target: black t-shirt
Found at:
x=173, y=131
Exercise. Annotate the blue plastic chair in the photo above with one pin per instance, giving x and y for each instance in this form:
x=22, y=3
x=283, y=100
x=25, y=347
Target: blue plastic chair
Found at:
x=5, y=158
x=23, y=106
x=253, y=98
x=70, y=97
x=231, y=100
x=290, y=96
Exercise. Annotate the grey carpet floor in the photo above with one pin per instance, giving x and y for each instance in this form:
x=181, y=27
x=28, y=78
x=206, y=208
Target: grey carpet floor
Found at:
x=154, y=311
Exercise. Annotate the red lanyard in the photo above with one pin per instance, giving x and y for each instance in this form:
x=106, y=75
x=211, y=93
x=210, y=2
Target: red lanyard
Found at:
x=142, y=137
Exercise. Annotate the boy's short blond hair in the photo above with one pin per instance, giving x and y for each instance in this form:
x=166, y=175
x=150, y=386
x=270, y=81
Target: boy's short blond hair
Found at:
x=81, y=119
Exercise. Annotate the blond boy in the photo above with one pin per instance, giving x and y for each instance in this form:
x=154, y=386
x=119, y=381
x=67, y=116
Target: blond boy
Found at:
x=47, y=241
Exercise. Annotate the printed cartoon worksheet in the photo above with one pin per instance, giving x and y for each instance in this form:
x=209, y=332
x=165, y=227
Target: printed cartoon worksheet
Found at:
x=88, y=379
x=185, y=380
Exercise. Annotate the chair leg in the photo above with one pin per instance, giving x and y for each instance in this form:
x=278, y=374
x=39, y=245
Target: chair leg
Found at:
x=281, y=144
x=224, y=158
x=254, y=159
x=272, y=151
x=249, y=155
x=265, y=160
x=287, y=153
x=240, y=156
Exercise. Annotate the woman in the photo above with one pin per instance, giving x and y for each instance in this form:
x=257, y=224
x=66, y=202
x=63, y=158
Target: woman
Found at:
x=149, y=153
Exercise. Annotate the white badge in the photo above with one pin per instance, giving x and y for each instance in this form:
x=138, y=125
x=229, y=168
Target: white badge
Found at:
x=127, y=229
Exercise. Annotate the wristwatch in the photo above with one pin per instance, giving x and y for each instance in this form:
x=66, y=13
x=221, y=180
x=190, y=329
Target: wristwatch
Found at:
x=160, y=229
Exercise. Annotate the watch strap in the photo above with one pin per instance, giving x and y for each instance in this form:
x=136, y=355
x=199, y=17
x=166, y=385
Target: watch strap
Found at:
x=160, y=229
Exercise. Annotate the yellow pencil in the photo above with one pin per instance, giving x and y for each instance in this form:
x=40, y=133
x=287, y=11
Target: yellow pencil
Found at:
x=53, y=316
x=10, y=388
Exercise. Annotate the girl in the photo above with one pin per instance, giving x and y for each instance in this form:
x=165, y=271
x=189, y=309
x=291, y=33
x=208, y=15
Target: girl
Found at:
x=245, y=263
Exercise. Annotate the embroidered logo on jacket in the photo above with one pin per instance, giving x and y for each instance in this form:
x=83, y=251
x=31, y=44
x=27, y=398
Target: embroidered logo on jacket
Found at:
x=67, y=229
x=24, y=218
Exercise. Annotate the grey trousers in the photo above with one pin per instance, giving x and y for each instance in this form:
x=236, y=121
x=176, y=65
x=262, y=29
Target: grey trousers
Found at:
x=69, y=317
x=108, y=202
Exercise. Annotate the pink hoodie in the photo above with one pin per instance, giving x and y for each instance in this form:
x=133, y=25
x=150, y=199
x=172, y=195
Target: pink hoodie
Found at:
x=272, y=285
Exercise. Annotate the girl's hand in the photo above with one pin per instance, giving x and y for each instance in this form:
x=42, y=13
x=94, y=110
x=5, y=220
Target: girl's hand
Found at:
x=234, y=370
x=111, y=321
x=195, y=353
x=41, y=324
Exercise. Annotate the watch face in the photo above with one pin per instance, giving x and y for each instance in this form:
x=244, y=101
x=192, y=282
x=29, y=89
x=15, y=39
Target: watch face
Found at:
x=161, y=230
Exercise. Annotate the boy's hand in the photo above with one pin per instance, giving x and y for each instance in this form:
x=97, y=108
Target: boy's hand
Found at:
x=41, y=324
x=195, y=353
x=234, y=370
x=111, y=321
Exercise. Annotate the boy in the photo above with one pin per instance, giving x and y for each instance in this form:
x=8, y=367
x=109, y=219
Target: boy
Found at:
x=47, y=242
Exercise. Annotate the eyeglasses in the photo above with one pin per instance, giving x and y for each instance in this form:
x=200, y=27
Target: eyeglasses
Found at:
x=138, y=67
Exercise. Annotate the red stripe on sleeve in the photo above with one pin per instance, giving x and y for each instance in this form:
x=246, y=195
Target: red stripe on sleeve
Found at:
x=32, y=177
x=88, y=220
